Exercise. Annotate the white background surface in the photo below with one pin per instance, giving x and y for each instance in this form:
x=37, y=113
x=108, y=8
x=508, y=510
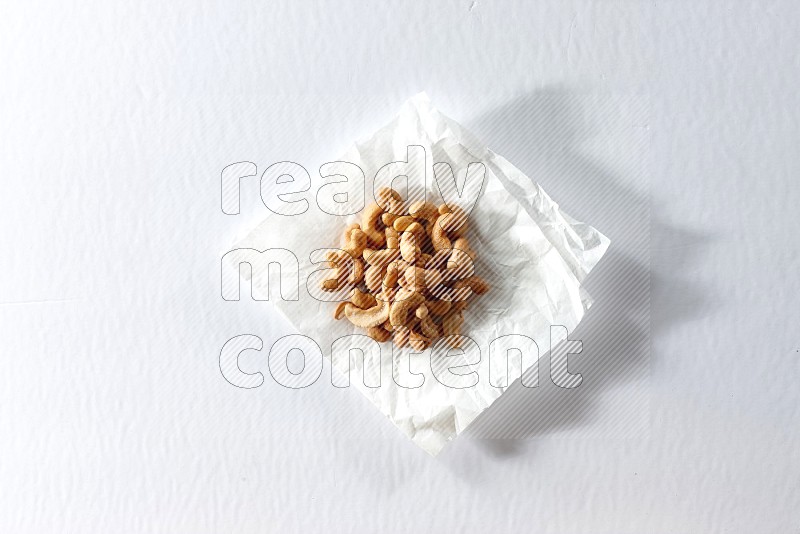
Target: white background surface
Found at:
x=116, y=121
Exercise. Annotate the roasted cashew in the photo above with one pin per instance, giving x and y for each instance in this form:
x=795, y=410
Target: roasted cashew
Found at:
x=417, y=341
x=403, y=306
x=439, y=238
x=338, y=313
x=346, y=235
x=401, y=334
x=392, y=238
x=363, y=300
x=423, y=210
x=462, y=245
x=454, y=223
x=401, y=223
x=370, y=317
x=391, y=276
x=418, y=271
x=429, y=329
x=409, y=247
x=369, y=224
x=451, y=326
x=463, y=270
x=381, y=258
x=348, y=271
x=475, y=283
x=387, y=194
x=392, y=204
x=438, y=307
x=356, y=243
x=373, y=278
x=421, y=279
x=379, y=333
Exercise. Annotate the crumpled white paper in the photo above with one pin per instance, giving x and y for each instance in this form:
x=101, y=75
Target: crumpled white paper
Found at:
x=533, y=255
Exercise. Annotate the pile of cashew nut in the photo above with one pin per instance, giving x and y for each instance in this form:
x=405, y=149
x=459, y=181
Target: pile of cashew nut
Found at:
x=411, y=272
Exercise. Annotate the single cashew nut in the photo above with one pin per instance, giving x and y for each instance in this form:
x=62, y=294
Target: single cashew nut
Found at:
x=438, y=307
x=475, y=284
x=401, y=223
x=362, y=300
x=454, y=223
x=439, y=259
x=461, y=270
x=385, y=194
x=330, y=284
x=392, y=204
x=338, y=313
x=381, y=258
x=409, y=248
x=417, y=341
x=423, y=210
x=379, y=334
x=369, y=317
x=401, y=334
x=451, y=326
x=420, y=279
x=403, y=306
x=373, y=278
x=465, y=252
x=439, y=238
x=356, y=243
x=346, y=235
x=392, y=238
x=391, y=276
x=427, y=326
x=369, y=222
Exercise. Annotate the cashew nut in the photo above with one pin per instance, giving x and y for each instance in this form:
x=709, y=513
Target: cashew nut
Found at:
x=381, y=258
x=362, y=300
x=418, y=272
x=451, y=326
x=403, y=306
x=347, y=271
x=373, y=278
x=392, y=238
x=356, y=244
x=439, y=238
x=421, y=279
x=423, y=210
x=409, y=248
x=417, y=341
x=401, y=334
x=370, y=317
x=403, y=222
x=338, y=313
x=379, y=334
x=438, y=307
x=429, y=329
x=369, y=224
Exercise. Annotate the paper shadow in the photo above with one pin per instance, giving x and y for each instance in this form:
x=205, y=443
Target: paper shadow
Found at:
x=550, y=134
